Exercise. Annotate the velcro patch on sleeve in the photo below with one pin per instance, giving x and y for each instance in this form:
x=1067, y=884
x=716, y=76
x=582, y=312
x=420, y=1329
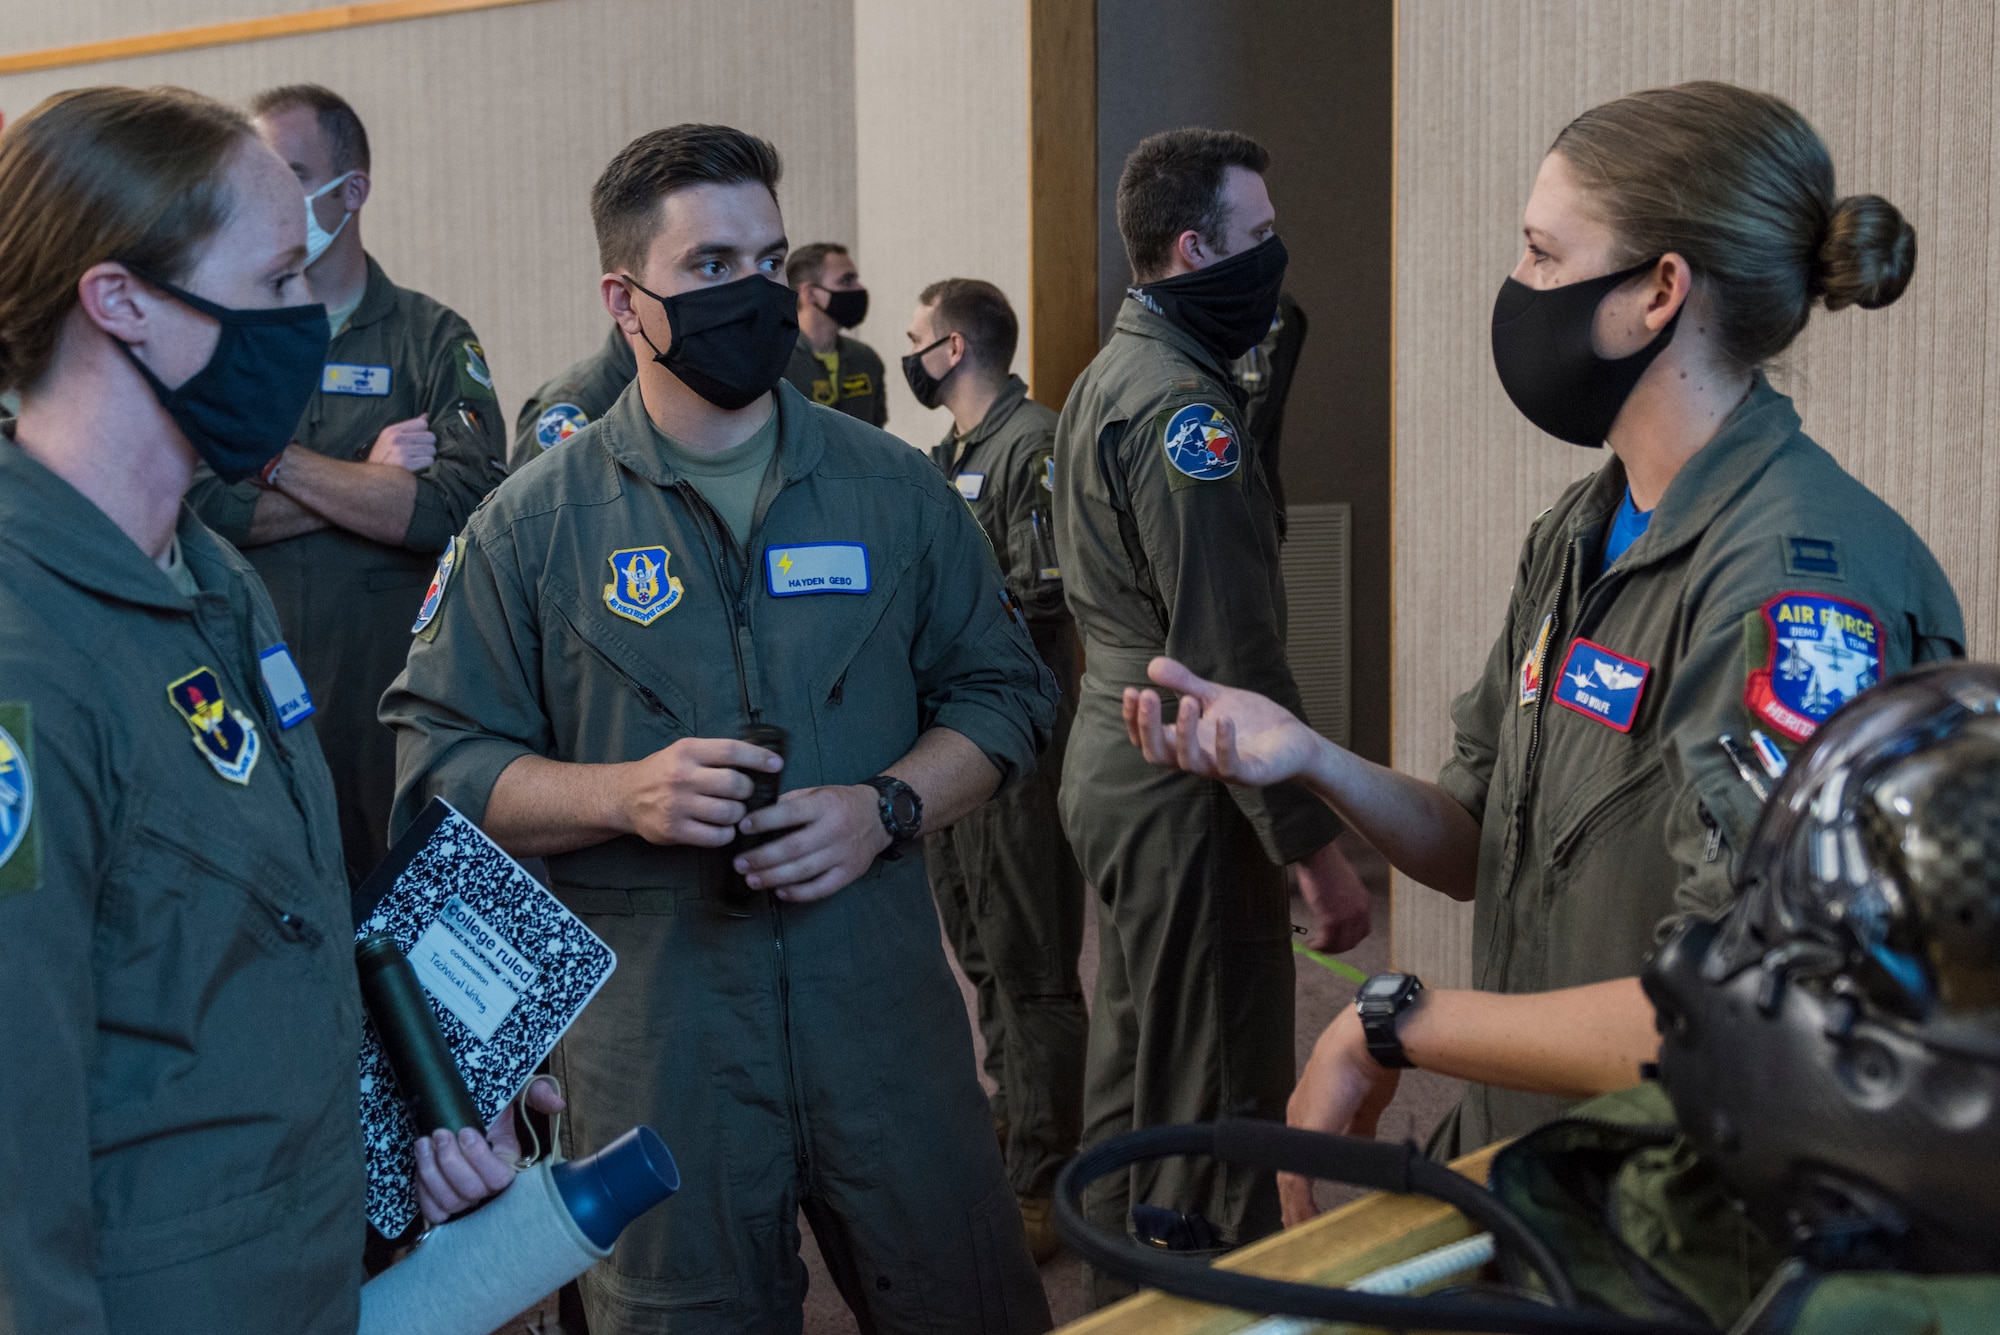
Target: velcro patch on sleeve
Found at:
x=20, y=843
x=1201, y=444
x=475, y=379
x=1807, y=654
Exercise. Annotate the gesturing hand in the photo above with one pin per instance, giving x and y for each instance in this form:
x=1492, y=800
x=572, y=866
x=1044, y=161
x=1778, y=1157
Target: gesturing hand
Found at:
x=409, y=444
x=1220, y=732
x=692, y=791
x=455, y=1173
x=835, y=833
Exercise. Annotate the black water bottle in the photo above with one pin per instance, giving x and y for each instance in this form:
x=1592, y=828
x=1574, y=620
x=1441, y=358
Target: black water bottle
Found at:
x=426, y=1074
x=738, y=896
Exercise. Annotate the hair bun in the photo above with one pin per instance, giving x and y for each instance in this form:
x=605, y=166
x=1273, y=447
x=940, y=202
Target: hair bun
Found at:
x=1867, y=256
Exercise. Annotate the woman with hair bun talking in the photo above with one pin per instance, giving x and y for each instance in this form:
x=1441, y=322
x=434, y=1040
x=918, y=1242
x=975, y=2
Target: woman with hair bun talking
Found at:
x=1680, y=621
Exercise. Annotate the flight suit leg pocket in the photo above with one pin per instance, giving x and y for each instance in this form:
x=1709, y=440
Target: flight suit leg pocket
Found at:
x=1008, y=1290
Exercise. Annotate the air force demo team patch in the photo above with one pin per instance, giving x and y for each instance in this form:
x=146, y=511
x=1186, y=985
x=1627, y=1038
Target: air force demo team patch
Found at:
x=1822, y=652
x=1600, y=684
x=641, y=590
x=1201, y=444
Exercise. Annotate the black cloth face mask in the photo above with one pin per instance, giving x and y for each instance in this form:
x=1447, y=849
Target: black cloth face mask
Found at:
x=1229, y=305
x=240, y=410
x=1541, y=348
x=922, y=383
x=847, y=306
x=732, y=341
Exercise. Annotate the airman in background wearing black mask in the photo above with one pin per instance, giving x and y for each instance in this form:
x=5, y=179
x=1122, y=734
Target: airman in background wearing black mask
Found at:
x=828, y=367
x=713, y=554
x=1167, y=537
x=1006, y=884
x=401, y=438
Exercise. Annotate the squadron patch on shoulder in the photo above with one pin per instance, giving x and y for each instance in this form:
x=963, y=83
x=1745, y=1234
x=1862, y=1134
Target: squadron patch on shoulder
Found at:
x=1200, y=443
x=1808, y=654
x=641, y=590
x=440, y=581
x=226, y=737
x=558, y=422
x=1531, y=666
x=475, y=379
x=1602, y=684
x=20, y=855
x=1045, y=471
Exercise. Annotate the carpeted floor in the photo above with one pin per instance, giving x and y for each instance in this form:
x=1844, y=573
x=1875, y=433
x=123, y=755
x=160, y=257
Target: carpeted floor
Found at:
x=1421, y=1101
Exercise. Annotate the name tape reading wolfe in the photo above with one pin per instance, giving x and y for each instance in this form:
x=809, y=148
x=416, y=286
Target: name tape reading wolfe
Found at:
x=473, y=971
x=817, y=567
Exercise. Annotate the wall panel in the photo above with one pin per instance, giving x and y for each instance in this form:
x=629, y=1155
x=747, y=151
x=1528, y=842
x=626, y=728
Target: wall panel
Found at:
x=1908, y=398
x=489, y=127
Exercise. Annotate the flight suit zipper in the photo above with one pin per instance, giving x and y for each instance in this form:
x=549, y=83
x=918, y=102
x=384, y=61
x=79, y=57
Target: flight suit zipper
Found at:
x=713, y=533
x=1522, y=806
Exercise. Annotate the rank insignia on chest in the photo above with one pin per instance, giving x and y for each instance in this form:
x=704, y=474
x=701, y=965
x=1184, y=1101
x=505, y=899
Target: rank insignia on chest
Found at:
x=1602, y=684
x=226, y=737
x=641, y=590
x=440, y=580
x=558, y=422
x=1201, y=443
x=1817, y=653
x=1531, y=666
x=17, y=793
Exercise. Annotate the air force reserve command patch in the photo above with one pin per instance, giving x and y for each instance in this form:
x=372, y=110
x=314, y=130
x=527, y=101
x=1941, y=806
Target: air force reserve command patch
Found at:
x=816, y=567
x=1600, y=684
x=1809, y=653
x=226, y=737
x=20, y=860
x=1200, y=444
x=641, y=590
x=558, y=422
x=447, y=565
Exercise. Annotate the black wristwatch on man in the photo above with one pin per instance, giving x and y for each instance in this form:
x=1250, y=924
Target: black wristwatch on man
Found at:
x=1382, y=1001
x=902, y=812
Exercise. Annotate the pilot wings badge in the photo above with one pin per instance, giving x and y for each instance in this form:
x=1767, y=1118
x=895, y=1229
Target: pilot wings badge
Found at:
x=641, y=590
x=226, y=738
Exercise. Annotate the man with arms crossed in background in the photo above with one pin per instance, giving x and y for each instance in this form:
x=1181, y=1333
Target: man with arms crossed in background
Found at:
x=715, y=553
x=401, y=440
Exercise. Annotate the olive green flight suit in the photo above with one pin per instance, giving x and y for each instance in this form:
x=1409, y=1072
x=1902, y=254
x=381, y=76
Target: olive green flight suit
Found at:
x=345, y=601
x=580, y=395
x=179, y=1145
x=809, y=1056
x=1193, y=1016
x=1006, y=884
x=1591, y=835
x=857, y=391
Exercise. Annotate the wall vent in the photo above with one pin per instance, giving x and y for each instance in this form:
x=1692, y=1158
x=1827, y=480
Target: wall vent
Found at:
x=1316, y=595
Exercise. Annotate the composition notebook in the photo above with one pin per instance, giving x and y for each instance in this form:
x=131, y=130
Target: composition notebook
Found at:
x=504, y=965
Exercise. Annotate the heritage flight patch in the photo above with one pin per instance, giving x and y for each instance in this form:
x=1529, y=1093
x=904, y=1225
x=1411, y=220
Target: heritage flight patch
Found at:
x=440, y=581
x=1531, y=666
x=816, y=567
x=1602, y=684
x=641, y=590
x=1809, y=653
x=558, y=422
x=20, y=845
x=970, y=485
x=1200, y=443
x=226, y=737
x=475, y=380
x=349, y=378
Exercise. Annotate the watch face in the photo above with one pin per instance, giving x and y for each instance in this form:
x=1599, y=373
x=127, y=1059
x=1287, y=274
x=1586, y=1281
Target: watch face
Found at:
x=1381, y=986
x=903, y=806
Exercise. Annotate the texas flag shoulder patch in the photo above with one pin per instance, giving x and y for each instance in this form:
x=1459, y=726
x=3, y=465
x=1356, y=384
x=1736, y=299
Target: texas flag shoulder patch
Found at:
x=1602, y=684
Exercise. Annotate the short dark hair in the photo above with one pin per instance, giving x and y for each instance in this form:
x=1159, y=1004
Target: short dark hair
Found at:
x=346, y=136
x=808, y=262
x=624, y=204
x=1171, y=184
x=979, y=313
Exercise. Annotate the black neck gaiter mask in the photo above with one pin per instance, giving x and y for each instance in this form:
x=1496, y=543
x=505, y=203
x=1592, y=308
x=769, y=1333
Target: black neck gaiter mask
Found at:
x=1543, y=353
x=1228, y=306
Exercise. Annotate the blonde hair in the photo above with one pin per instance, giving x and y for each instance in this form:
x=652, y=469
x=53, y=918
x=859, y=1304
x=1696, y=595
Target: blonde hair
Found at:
x=96, y=174
x=1741, y=186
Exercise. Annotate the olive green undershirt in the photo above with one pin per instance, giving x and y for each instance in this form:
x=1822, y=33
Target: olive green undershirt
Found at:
x=177, y=572
x=338, y=316
x=729, y=479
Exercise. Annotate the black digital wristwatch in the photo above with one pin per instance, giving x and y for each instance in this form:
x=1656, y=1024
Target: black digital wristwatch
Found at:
x=901, y=809
x=1382, y=1001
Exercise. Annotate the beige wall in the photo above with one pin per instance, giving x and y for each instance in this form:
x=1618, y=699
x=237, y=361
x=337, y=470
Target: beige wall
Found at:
x=941, y=139
x=489, y=127
x=1908, y=398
